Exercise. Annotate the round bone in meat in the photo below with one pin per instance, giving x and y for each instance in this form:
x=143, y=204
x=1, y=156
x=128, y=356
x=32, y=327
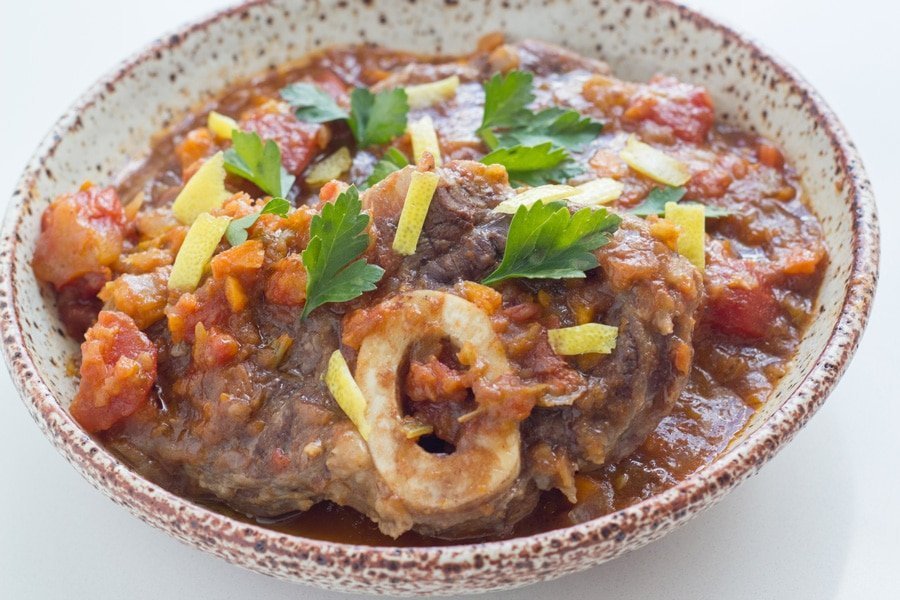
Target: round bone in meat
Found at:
x=486, y=461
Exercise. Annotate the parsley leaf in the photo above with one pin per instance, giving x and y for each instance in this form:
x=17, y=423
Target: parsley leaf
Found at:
x=507, y=120
x=563, y=128
x=655, y=203
x=337, y=237
x=257, y=163
x=236, y=234
x=505, y=100
x=546, y=241
x=534, y=165
x=393, y=160
x=377, y=118
x=311, y=104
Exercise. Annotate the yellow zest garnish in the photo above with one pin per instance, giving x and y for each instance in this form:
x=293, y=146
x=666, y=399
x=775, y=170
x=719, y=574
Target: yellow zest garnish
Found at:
x=345, y=391
x=429, y=94
x=329, y=168
x=691, y=220
x=415, y=208
x=203, y=192
x=196, y=251
x=542, y=193
x=598, y=191
x=583, y=339
x=653, y=163
x=424, y=139
x=221, y=125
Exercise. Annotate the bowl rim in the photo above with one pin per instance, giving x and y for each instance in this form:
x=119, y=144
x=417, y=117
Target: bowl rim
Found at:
x=702, y=488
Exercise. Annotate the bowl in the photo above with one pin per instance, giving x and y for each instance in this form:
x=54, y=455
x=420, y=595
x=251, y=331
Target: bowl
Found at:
x=112, y=122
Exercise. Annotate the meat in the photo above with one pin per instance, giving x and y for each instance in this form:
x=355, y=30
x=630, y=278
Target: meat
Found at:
x=461, y=238
x=655, y=295
x=268, y=438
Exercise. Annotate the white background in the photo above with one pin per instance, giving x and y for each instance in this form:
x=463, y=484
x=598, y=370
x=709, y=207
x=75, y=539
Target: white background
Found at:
x=821, y=521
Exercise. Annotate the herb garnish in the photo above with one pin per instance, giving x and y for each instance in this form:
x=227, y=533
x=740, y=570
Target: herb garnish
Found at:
x=655, y=203
x=547, y=241
x=507, y=120
x=258, y=163
x=539, y=141
x=337, y=237
x=236, y=233
x=563, y=128
x=373, y=118
x=311, y=104
x=377, y=118
x=393, y=160
x=534, y=165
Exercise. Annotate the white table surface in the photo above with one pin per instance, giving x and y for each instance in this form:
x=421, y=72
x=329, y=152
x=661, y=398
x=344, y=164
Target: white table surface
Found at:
x=821, y=521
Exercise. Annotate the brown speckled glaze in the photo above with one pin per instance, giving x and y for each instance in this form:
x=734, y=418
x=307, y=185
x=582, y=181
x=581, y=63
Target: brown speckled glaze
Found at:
x=113, y=121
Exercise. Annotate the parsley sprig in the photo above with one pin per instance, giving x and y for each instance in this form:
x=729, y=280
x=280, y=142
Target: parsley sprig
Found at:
x=377, y=118
x=373, y=118
x=546, y=241
x=334, y=273
x=236, y=234
x=534, y=165
x=534, y=147
x=656, y=200
x=258, y=163
x=311, y=104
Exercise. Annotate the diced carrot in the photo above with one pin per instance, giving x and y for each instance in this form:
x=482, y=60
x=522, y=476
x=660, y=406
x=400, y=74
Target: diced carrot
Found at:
x=770, y=156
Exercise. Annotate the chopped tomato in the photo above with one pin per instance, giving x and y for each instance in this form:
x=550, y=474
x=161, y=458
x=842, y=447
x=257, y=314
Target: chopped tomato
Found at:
x=332, y=85
x=434, y=381
x=141, y=297
x=709, y=183
x=740, y=302
x=744, y=312
x=287, y=283
x=686, y=108
x=81, y=234
x=208, y=305
x=331, y=190
x=118, y=370
x=212, y=347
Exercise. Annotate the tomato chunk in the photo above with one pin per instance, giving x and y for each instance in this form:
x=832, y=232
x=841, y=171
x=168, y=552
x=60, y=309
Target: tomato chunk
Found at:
x=686, y=108
x=81, y=234
x=287, y=283
x=433, y=381
x=118, y=370
x=740, y=302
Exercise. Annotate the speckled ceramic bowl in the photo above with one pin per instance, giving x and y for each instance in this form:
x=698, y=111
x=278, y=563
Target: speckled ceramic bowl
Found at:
x=113, y=121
